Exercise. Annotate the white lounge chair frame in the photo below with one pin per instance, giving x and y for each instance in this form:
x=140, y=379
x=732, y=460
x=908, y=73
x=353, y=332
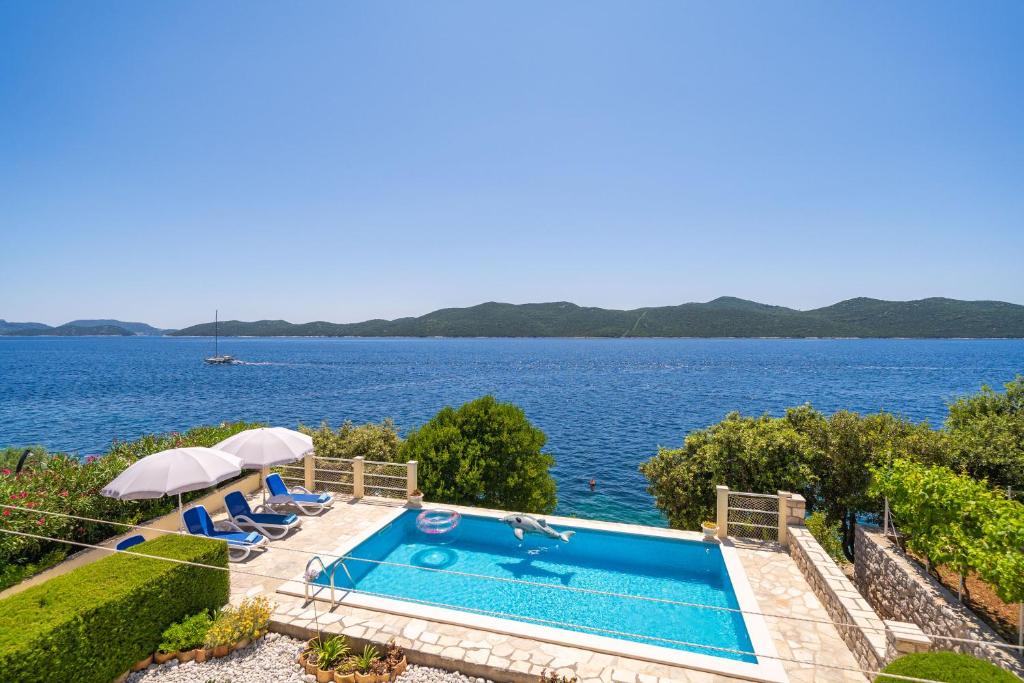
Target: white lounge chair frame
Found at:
x=273, y=531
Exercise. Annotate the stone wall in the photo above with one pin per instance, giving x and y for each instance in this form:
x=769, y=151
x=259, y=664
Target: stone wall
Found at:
x=900, y=589
x=867, y=637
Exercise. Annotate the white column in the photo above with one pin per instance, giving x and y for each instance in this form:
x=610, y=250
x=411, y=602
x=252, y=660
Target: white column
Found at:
x=411, y=468
x=722, y=513
x=783, y=516
x=358, y=476
x=308, y=473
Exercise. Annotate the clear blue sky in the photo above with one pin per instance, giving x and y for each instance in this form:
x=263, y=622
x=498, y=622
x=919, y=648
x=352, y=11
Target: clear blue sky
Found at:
x=342, y=161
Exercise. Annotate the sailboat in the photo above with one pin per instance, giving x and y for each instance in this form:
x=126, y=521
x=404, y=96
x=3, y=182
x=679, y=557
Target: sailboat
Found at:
x=216, y=358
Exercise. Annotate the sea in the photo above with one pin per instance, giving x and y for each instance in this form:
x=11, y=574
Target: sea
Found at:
x=606, y=405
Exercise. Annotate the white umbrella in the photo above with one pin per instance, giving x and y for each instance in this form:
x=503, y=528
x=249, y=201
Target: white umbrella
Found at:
x=173, y=471
x=267, y=447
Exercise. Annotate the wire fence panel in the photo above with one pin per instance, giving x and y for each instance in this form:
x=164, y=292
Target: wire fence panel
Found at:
x=754, y=516
x=385, y=479
x=333, y=475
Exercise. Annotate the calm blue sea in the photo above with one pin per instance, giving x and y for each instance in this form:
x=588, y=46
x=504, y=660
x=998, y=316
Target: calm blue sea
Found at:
x=605, y=404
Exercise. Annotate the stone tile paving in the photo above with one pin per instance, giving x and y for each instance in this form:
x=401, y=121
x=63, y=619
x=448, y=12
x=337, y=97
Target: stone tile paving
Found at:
x=776, y=580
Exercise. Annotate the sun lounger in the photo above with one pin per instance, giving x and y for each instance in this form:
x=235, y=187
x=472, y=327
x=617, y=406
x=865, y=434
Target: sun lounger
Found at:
x=240, y=543
x=271, y=525
x=298, y=497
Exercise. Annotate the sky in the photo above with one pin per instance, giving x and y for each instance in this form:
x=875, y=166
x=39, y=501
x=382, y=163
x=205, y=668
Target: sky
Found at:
x=344, y=161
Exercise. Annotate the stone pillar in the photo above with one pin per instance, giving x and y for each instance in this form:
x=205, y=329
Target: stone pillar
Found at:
x=410, y=478
x=722, y=512
x=797, y=510
x=309, y=470
x=783, y=516
x=904, y=638
x=358, y=476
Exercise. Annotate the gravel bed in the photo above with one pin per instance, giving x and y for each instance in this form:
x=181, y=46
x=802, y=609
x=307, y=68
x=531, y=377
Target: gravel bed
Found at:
x=270, y=659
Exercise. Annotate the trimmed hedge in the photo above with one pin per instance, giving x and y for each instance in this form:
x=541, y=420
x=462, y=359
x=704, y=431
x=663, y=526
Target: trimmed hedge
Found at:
x=94, y=622
x=949, y=667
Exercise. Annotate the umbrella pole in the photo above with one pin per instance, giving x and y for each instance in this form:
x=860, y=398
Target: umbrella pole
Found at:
x=181, y=514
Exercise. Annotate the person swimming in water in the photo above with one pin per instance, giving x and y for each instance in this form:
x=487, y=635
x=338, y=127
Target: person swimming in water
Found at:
x=593, y=483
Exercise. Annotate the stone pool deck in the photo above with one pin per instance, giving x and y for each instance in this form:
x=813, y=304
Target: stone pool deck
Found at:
x=777, y=583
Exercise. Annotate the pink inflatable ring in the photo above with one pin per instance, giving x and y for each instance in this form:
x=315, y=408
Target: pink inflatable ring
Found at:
x=437, y=521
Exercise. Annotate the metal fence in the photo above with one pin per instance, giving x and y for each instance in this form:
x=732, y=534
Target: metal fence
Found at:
x=354, y=477
x=760, y=516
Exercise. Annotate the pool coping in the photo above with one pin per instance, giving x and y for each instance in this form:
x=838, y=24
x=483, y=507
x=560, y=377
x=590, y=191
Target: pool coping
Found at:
x=768, y=668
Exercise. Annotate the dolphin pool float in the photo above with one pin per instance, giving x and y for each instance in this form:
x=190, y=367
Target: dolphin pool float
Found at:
x=527, y=524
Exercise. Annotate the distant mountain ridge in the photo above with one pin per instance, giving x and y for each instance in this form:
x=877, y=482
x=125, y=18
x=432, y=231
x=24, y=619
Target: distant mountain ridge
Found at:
x=721, y=317
x=79, y=328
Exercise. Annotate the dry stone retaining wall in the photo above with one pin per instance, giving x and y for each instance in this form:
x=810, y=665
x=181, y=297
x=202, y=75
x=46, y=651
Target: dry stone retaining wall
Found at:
x=867, y=637
x=899, y=589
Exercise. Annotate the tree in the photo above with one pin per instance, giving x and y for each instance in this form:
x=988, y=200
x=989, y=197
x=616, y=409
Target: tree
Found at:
x=483, y=453
x=847, y=446
x=986, y=433
x=755, y=454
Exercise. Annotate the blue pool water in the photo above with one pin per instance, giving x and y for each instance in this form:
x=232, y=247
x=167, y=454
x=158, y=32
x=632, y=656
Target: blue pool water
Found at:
x=685, y=571
x=605, y=404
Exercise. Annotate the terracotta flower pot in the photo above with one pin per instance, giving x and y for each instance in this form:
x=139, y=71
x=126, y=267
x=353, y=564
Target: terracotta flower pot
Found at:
x=371, y=678
x=349, y=677
x=200, y=654
x=324, y=675
x=243, y=643
x=222, y=651
x=142, y=663
x=398, y=669
x=309, y=664
x=186, y=656
x=163, y=657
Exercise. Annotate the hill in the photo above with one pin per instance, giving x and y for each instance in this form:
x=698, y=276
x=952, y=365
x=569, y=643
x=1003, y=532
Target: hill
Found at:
x=71, y=331
x=722, y=317
x=6, y=326
x=134, y=328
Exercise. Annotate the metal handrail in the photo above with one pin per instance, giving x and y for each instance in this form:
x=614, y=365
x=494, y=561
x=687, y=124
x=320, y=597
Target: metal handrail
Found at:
x=323, y=568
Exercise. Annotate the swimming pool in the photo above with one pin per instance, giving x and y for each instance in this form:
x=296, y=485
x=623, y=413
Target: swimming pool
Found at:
x=441, y=575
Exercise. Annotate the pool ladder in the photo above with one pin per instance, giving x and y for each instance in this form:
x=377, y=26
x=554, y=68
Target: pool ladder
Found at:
x=323, y=568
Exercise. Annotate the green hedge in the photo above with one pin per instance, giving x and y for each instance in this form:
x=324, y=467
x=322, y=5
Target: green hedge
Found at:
x=94, y=622
x=948, y=667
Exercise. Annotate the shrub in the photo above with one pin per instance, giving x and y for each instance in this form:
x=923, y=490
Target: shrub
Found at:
x=224, y=630
x=65, y=484
x=253, y=616
x=187, y=634
x=483, y=453
x=948, y=667
x=94, y=622
x=371, y=441
x=828, y=535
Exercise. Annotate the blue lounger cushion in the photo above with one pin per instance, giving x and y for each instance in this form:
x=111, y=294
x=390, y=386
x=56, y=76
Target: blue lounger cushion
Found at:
x=311, y=497
x=238, y=506
x=277, y=488
x=269, y=518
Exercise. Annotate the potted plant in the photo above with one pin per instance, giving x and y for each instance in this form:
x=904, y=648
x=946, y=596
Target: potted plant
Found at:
x=416, y=498
x=365, y=665
x=222, y=634
x=345, y=672
x=327, y=654
x=142, y=663
x=710, y=529
x=185, y=638
x=252, y=618
x=394, y=661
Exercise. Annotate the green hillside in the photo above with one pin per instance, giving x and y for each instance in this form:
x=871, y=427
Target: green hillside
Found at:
x=722, y=317
x=71, y=331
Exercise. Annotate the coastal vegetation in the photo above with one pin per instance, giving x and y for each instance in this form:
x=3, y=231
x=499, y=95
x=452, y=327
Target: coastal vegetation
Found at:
x=65, y=484
x=484, y=453
x=829, y=459
x=945, y=667
x=722, y=317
